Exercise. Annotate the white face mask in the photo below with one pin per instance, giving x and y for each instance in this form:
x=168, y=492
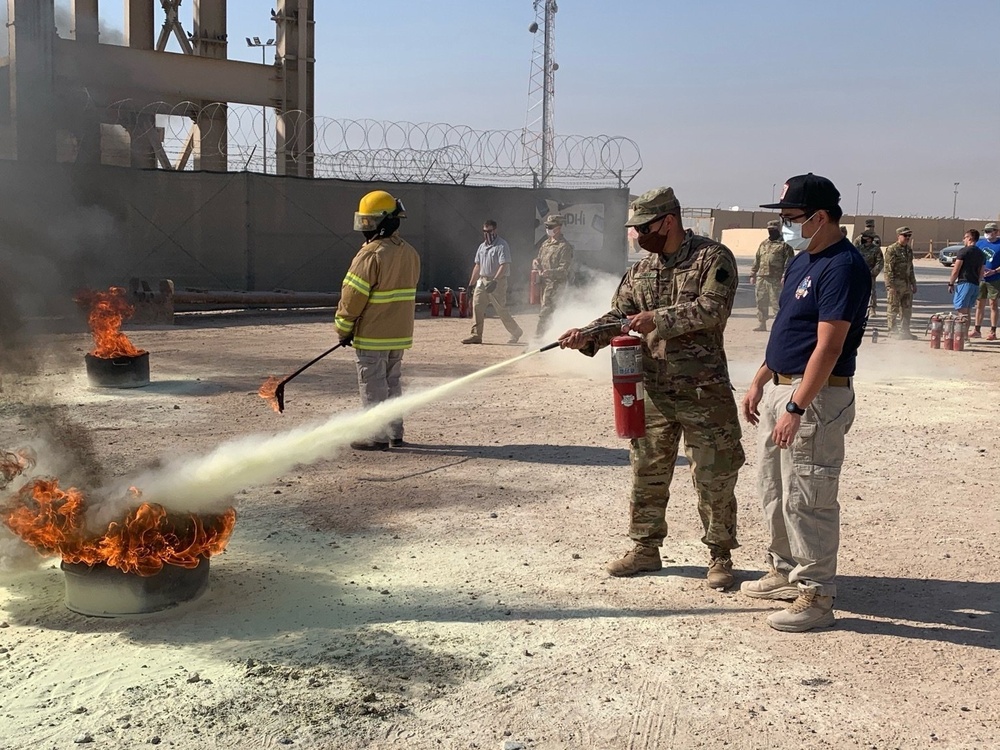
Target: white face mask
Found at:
x=793, y=235
x=550, y=232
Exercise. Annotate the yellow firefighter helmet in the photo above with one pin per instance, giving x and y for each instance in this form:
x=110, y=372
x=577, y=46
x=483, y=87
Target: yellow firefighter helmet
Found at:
x=374, y=207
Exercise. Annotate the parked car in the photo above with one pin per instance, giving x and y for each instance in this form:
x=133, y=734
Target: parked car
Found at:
x=947, y=255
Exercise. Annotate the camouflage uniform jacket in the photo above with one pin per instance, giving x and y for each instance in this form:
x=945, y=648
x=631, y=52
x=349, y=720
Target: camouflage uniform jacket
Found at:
x=876, y=239
x=554, y=257
x=899, y=266
x=873, y=257
x=773, y=257
x=691, y=293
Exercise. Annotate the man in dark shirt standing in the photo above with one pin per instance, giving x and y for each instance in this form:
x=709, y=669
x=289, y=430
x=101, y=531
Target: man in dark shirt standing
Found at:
x=966, y=274
x=803, y=401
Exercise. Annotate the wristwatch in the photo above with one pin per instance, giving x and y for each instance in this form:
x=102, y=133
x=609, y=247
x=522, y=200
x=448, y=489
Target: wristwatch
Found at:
x=793, y=408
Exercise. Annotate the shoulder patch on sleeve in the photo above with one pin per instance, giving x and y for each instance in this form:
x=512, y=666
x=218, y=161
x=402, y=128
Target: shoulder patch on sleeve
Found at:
x=721, y=274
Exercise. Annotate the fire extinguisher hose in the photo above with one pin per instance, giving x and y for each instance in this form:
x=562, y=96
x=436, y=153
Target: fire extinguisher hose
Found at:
x=590, y=330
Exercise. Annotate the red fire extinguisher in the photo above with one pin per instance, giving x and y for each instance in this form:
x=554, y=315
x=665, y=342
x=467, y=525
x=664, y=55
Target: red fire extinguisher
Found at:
x=435, y=302
x=449, y=301
x=961, y=333
x=936, y=327
x=535, y=288
x=463, y=303
x=949, y=333
x=626, y=380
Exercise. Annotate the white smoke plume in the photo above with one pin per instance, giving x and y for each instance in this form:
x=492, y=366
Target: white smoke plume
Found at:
x=207, y=484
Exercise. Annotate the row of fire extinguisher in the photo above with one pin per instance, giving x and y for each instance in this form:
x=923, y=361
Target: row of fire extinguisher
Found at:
x=444, y=304
x=949, y=331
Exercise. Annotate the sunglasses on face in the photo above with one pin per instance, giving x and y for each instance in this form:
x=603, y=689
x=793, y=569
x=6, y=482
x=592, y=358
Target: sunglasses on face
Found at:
x=787, y=221
x=648, y=226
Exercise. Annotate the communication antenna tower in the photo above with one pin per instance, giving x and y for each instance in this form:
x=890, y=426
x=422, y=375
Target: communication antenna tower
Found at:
x=538, y=126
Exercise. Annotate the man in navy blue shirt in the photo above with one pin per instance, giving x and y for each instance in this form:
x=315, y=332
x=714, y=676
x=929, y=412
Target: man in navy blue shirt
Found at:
x=803, y=401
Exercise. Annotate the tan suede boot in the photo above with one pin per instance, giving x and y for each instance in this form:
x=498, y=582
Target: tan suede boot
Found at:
x=809, y=611
x=639, y=559
x=774, y=585
x=720, y=573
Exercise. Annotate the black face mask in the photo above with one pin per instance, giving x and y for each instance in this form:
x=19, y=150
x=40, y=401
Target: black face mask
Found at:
x=774, y=234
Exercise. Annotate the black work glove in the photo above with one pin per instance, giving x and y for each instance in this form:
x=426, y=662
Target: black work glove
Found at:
x=490, y=286
x=346, y=340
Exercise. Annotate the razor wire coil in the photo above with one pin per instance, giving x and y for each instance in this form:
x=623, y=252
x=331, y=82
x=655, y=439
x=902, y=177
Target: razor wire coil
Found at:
x=371, y=150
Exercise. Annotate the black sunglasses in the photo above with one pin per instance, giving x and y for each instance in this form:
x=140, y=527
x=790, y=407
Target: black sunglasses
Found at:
x=647, y=227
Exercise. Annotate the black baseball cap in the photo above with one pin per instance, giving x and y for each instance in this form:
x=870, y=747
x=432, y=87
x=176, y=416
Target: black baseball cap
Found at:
x=807, y=191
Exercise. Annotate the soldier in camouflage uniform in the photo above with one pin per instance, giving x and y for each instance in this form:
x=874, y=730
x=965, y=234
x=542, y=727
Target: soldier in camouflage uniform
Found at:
x=679, y=298
x=872, y=253
x=768, y=270
x=553, y=265
x=869, y=227
x=900, y=283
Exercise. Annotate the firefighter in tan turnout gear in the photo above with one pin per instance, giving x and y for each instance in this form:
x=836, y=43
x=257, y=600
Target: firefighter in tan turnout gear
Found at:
x=377, y=304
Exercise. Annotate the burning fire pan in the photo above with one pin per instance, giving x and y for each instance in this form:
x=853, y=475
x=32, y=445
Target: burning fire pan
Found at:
x=103, y=591
x=119, y=372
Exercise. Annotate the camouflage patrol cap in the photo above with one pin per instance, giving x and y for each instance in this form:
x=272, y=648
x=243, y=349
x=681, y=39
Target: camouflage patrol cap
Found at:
x=991, y=227
x=870, y=223
x=773, y=224
x=904, y=230
x=652, y=205
x=554, y=220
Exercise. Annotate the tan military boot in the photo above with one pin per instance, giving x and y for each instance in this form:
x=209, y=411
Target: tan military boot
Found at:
x=720, y=573
x=639, y=559
x=809, y=611
x=774, y=585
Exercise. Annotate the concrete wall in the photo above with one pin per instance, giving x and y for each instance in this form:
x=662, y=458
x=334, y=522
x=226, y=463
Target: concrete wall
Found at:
x=72, y=226
x=925, y=231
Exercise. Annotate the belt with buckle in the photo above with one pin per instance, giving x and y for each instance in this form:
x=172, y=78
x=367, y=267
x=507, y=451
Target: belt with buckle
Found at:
x=836, y=381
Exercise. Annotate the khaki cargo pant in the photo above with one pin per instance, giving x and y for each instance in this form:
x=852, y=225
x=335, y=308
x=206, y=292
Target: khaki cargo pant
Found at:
x=798, y=485
x=481, y=299
x=708, y=420
x=378, y=381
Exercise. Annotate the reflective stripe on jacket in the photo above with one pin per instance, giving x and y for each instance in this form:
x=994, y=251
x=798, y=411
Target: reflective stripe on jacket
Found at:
x=378, y=296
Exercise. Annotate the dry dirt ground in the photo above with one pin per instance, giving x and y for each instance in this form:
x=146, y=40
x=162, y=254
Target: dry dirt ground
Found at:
x=452, y=594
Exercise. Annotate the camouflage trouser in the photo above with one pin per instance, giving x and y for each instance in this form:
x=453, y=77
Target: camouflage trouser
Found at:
x=551, y=294
x=768, y=291
x=900, y=306
x=874, y=300
x=378, y=381
x=708, y=421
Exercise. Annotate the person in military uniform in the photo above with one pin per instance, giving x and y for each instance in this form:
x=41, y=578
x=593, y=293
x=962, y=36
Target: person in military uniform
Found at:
x=555, y=257
x=869, y=227
x=900, y=283
x=872, y=253
x=678, y=298
x=768, y=270
x=377, y=304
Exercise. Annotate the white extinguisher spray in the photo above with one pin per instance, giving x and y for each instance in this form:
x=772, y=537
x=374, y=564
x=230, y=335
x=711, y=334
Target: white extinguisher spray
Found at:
x=626, y=380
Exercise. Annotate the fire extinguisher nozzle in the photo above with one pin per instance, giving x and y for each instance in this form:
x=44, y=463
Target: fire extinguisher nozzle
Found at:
x=553, y=345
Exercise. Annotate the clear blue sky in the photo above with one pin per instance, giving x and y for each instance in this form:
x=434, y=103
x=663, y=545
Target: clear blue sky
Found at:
x=724, y=98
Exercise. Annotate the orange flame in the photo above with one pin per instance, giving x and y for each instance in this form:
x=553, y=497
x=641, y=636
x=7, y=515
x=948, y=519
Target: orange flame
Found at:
x=268, y=391
x=107, y=312
x=52, y=521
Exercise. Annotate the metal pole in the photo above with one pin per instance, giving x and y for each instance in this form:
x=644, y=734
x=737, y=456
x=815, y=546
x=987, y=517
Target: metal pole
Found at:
x=263, y=113
x=954, y=205
x=857, y=201
x=546, y=94
x=873, y=202
x=773, y=186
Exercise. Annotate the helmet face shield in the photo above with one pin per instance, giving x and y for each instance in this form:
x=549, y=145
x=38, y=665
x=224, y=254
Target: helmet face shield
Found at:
x=366, y=222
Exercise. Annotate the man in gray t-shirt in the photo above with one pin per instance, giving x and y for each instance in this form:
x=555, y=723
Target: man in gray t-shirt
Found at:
x=489, y=280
